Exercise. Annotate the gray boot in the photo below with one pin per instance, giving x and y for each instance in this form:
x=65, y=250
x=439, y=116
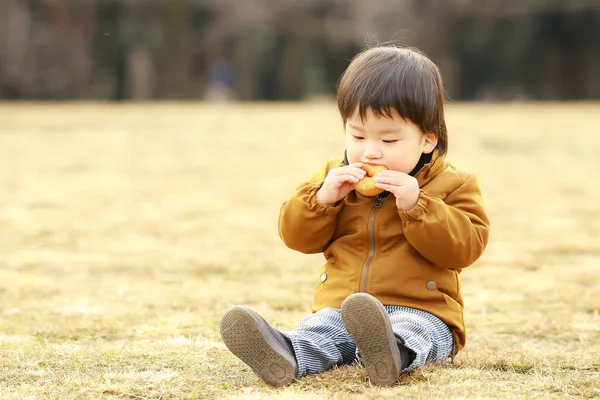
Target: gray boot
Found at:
x=254, y=341
x=367, y=321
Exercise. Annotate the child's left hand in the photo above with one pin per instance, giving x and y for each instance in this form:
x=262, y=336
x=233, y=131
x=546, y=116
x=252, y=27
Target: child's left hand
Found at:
x=403, y=186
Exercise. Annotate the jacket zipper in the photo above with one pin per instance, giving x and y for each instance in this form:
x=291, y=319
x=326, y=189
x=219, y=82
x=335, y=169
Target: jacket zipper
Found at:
x=378, y=203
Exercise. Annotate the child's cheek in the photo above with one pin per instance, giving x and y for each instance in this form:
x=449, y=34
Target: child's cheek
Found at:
x=353, y=155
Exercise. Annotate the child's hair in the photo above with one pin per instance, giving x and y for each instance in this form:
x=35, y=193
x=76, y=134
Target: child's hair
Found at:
x=387, y=78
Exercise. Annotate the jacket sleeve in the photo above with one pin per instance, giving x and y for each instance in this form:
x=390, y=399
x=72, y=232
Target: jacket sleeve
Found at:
x=304, y=224
x=451, y=233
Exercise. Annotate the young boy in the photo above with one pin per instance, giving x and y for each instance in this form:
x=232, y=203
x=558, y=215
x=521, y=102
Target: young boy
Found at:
x=389, y=293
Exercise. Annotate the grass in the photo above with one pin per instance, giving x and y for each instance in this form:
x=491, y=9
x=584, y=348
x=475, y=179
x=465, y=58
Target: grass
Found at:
x=126, y=231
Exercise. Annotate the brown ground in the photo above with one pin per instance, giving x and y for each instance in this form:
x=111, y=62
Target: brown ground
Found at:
x=126, y=231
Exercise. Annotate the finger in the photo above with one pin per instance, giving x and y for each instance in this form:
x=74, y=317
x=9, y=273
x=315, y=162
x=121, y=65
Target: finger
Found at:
x=392, y=173
x=387, y=180
x=386, y=186
x=391, y=180
x=347, y=178
x=357, y=172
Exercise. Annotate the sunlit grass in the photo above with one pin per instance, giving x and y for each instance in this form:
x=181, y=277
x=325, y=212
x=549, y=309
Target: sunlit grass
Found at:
x=126, y=232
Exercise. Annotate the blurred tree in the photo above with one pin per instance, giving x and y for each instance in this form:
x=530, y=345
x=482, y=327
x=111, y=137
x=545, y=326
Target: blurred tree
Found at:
x=291, y=49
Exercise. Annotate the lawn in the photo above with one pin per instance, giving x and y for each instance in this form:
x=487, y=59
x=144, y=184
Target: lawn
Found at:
x=127, y=230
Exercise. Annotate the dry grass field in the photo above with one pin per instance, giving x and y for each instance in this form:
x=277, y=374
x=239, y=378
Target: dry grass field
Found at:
x=127, y=230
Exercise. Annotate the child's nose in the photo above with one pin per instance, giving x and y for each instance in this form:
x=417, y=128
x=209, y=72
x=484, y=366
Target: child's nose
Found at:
x=372, y=150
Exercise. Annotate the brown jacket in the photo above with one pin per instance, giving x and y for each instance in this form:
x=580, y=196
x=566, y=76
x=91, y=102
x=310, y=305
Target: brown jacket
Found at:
x=412, y=259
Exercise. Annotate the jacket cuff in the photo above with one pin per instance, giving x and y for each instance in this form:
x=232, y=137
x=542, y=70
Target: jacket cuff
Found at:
x=418, y=212
x=318, y=208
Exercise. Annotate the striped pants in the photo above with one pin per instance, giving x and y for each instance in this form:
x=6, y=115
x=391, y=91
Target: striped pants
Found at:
x=321, y=341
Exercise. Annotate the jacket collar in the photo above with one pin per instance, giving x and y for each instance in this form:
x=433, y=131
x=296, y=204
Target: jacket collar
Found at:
x=431, y=169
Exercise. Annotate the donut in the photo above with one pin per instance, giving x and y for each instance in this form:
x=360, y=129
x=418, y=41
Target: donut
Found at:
x=366, y=186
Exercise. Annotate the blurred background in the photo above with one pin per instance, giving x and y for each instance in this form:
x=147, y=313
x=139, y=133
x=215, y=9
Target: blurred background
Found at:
x=221, y=50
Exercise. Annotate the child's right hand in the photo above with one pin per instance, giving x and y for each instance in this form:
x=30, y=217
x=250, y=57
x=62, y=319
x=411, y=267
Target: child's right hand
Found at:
x=338, y=183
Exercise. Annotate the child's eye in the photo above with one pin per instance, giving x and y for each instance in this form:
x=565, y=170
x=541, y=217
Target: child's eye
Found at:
x=358, y=137
x=390, y=141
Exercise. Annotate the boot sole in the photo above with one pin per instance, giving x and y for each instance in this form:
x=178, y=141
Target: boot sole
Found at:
x=252, y=342
x=367, y=322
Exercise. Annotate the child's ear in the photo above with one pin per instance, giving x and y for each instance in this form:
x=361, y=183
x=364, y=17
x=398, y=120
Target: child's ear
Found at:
x=430, y=140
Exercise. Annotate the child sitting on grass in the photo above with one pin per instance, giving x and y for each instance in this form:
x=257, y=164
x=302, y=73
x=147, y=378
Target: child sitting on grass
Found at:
x=389, y=294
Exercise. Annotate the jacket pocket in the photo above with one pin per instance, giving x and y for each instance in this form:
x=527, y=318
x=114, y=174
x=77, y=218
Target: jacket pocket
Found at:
x=324, y=275
x=435, y=286
x=458, y=288
x=322, y=278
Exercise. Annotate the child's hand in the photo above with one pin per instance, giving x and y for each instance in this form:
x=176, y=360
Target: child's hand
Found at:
x=338, y=183
x=403, y=186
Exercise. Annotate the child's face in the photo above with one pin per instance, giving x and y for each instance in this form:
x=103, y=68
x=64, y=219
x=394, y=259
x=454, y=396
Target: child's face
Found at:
x=394, y=142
